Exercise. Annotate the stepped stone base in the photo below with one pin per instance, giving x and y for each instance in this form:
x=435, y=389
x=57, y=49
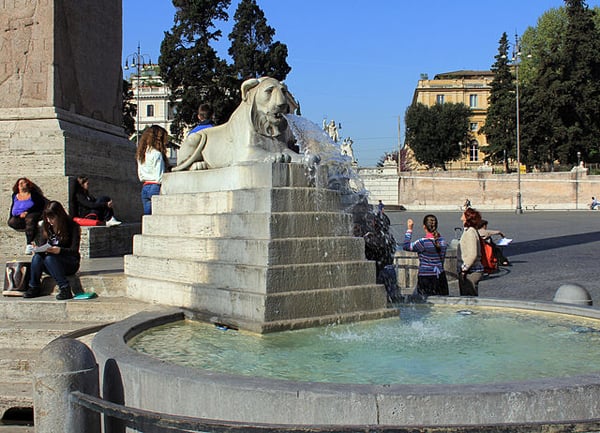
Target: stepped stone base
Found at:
x=254, y=246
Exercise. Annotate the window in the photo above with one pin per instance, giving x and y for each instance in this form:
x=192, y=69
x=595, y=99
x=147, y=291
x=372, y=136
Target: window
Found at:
x=150, y=110
x=439, y=99
x=473, y=101
x=474, y=151
x=473, y=126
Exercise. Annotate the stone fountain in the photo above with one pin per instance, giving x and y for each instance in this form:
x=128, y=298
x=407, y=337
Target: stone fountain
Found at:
x=247, y=235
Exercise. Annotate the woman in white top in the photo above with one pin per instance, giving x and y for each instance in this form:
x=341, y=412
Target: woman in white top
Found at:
x=152, y=162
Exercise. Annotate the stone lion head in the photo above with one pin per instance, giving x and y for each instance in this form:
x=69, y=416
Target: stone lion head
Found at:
x=270, y=101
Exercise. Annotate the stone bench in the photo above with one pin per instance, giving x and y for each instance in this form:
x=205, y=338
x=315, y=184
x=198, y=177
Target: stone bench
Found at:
x=98, y=241
x=102, y=241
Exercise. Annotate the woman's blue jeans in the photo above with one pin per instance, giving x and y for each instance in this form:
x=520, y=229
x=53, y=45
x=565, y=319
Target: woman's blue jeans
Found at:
x=57, y=265
x=148, y=191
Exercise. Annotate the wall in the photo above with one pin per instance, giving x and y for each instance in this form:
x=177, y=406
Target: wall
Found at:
x=448, y=190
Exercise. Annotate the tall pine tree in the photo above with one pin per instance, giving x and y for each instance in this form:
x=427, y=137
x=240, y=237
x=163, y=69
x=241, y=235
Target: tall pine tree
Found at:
x=252, y=48
x=191, y=67
x=581, y=80
x=500, y=123
x=563, y=111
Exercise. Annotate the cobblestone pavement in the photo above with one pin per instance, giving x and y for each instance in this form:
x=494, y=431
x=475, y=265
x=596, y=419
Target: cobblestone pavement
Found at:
x=549, y=249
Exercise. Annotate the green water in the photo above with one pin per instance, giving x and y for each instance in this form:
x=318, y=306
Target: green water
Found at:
x=424, y=345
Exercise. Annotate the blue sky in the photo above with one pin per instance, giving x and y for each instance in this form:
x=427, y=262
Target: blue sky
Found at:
x=359, y=62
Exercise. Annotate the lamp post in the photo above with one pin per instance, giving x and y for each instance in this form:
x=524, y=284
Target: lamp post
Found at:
x=137, y=61
x=577, y=180
x=516, y=61
x=460, y=147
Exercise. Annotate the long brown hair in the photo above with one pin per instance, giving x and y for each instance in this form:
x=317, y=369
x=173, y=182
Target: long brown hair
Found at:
x=62, y=226
x=472, y=218
x=155, y=137
x=430, y=222
x=31, y=187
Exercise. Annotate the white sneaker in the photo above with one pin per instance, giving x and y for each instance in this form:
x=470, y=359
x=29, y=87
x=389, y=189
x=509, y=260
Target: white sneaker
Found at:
x=113, y=222
x=29, y=249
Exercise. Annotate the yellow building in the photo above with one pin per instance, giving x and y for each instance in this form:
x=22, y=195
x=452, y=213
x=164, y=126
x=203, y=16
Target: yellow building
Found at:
x=471, y=88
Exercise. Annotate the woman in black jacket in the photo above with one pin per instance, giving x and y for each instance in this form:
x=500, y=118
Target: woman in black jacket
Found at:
x=60, y=257
x=88, y=206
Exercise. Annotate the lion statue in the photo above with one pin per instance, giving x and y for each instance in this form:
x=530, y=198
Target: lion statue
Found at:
x=257, y=131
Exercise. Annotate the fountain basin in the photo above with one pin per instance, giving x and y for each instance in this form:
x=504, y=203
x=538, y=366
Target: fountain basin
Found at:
x=151, y=384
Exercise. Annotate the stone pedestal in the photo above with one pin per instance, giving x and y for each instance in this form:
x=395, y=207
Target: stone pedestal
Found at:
x=61, y=103
x=255, y=247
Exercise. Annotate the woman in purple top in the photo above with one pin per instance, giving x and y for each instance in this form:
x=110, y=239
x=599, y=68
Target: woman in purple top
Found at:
x=26, y=209
x=431, y=249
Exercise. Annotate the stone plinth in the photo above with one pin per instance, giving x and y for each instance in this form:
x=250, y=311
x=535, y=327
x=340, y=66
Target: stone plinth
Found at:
x=255, y=247
x=61, y=103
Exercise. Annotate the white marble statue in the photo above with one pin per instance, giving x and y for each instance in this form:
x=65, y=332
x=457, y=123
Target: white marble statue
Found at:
x=256, y=131
x=332, y=130
x=346, y=148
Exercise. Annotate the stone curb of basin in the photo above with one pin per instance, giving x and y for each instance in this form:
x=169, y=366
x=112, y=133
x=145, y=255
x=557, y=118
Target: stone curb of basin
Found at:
x=259, y=400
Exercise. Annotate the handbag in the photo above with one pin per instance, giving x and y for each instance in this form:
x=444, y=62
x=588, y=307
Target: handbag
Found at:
x=16, y=278
x=90, y=220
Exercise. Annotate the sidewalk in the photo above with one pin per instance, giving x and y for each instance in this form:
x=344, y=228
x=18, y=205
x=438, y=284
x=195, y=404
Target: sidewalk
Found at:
x=549, y=249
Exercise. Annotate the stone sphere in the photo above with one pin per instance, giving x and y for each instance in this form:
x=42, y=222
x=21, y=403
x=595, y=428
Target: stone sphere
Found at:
x=572, y=294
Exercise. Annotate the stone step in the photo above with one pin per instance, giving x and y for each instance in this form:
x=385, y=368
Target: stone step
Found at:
x=248, y=310
x=17, y=428
x=15, y=395
x=16, y=364
x=36, y=335
x=265, y=175
x=14, y=311
x=252, y=251
x=249, y=200
x=250, y=225
x=279, y=278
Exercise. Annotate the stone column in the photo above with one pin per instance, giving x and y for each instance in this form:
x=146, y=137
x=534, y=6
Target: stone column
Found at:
x=65, y=365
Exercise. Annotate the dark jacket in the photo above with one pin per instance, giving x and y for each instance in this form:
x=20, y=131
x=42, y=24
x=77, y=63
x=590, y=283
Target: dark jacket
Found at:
x=87, y=204
x=70, y=245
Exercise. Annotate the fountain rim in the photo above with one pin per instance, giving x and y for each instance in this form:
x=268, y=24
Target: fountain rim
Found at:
x=114, y=338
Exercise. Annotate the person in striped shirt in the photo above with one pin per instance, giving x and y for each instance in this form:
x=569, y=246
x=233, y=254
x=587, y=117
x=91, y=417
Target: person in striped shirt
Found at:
x=431, y=249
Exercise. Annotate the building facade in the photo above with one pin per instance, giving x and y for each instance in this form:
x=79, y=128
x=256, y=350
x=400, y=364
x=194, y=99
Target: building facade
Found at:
x=151, y=95
x=471, y=88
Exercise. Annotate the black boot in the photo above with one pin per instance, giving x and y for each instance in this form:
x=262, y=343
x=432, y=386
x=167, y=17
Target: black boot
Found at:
x=32, y=292
x=64, y=293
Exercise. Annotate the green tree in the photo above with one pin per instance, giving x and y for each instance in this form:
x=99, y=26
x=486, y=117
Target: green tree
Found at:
x=190, y=65
x=252, y=48
x=129, y=109
x=565, y=94
x=196, y=74
x=433, y=133
x=500, y=123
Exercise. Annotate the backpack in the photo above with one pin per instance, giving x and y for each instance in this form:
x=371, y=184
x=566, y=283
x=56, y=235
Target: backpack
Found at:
x=488, y=259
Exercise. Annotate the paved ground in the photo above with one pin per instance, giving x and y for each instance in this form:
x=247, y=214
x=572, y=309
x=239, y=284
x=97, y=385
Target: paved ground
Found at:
x=548, y=249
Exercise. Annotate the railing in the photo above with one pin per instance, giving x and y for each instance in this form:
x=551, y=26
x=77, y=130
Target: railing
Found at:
x=144, y=421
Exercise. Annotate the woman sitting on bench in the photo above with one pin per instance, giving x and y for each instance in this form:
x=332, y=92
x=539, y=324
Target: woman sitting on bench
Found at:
x=89, y=207
x=60, y=256
x=26, y=209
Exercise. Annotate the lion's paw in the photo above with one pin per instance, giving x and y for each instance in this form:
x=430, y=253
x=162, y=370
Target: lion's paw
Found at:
x=281, y=158
x=199, y=165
